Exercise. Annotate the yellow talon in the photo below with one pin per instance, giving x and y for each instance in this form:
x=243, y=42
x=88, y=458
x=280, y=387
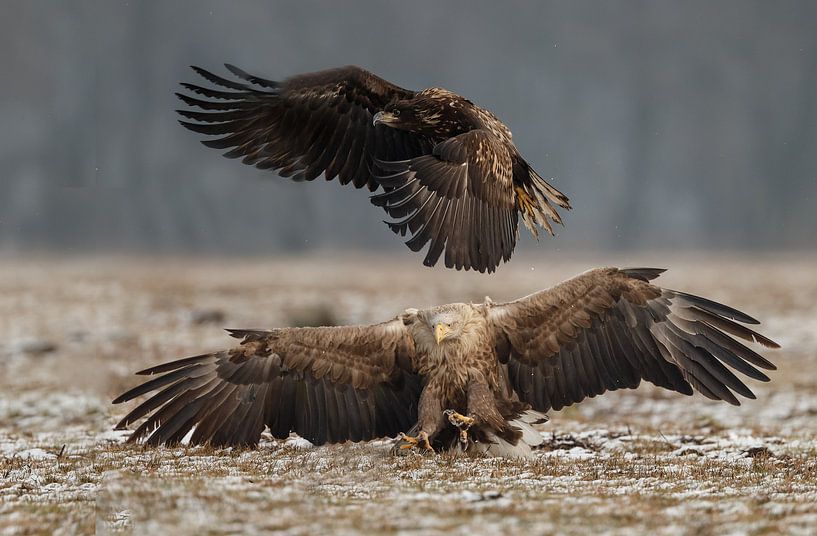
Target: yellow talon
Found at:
x=460, y=421
x=525, y=201
x=410, y=441
x=421, y=441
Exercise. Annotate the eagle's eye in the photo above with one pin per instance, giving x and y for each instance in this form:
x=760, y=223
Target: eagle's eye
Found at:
x=396, y=112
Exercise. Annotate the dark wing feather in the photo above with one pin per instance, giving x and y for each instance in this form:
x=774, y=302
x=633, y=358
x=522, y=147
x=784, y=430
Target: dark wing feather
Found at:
x=608, y=329
x=304, y=126
x=326, y=384
x=459, y=199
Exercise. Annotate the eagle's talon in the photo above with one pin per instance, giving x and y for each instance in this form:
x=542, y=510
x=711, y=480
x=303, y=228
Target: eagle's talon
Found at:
x=525, y=201
x=419, y=442
x=411, y=442
x=459, y=420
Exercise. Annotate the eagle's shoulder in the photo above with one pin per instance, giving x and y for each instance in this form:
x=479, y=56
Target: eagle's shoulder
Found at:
x=483, y=118
x=442, y=94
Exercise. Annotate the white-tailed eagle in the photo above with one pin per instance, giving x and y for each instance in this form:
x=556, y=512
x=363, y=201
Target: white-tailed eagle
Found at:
x=474, y=375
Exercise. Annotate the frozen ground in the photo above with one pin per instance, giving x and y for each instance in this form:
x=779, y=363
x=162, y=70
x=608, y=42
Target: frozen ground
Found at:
x=72, y=332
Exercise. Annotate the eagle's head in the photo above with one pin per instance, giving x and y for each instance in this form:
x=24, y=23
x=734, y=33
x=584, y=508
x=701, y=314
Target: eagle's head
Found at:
x=425, y=113
x=449, y=323
x=402, y=115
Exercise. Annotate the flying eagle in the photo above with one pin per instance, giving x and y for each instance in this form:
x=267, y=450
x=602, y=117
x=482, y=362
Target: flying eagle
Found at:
x=468, y=375
x=450, y=172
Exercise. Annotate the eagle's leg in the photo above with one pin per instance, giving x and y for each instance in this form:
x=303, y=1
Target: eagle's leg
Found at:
x=524, y=201
x=460, y=421
x=429, y=423
x=481, y=408
x=527, y=207
x=430, y=412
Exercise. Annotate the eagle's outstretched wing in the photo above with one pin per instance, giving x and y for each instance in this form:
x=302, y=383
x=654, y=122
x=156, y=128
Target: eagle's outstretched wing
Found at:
x=460, y=198
x=608, y=329
x=327, y=384
x=303, y=126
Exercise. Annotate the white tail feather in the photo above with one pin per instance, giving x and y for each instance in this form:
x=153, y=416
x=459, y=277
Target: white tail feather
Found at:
x=523, y=448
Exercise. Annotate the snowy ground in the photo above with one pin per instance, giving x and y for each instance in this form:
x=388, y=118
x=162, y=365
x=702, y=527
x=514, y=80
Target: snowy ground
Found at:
x=72, y=333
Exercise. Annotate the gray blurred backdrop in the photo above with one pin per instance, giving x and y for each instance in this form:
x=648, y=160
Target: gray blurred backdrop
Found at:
x=669, y=124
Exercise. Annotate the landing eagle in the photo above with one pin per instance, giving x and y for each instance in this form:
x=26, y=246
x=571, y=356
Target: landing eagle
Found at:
x=450, y=174
x=472, y=376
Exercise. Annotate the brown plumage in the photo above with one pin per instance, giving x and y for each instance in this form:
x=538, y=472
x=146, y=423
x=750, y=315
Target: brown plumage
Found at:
x=604, y=330
x=450, y=172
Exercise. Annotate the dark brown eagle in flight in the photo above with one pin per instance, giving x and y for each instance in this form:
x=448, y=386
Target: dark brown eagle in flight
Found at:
x=450, y=172
x=473, y=375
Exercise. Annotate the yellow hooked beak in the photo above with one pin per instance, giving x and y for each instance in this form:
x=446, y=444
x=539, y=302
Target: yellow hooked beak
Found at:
x=441, y=331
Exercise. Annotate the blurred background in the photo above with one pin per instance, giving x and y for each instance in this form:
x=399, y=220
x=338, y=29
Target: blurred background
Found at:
x=671, y=125
x=684, y=133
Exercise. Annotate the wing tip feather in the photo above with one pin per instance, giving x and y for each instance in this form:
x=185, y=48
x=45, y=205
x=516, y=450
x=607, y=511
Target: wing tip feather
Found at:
x=644, y=274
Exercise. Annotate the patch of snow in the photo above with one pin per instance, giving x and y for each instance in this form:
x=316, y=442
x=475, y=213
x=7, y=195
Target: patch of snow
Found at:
x=35, y=454
x=298, y=443
x=114, y=436
x=575, y=453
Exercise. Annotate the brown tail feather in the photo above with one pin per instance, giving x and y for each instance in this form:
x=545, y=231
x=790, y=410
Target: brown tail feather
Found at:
x=534, y=201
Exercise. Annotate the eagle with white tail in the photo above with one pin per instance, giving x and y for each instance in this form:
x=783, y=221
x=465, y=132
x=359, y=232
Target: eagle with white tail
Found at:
x=474, y=377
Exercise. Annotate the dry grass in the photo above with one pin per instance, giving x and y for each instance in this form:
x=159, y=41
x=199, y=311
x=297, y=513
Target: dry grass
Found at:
x=637, y=461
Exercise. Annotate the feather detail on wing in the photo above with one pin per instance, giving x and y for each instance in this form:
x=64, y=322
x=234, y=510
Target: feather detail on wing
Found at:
x=608, y=329
x=459, y=198
x=302, y=127
x=327, y=384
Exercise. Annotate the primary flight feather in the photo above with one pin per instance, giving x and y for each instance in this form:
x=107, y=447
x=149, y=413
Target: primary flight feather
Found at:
x=473, y=376
x=450, y=174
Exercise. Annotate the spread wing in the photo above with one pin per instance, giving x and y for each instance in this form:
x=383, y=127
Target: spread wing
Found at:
x=608, y=329
x=327, y=384
x=303, y=126
x=460, y=198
